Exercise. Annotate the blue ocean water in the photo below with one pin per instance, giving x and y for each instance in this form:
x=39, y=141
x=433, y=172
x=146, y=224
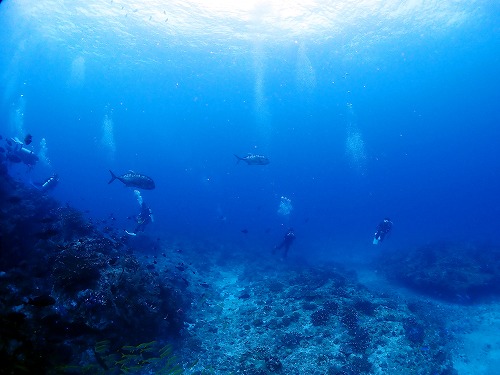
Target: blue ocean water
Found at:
x=365, y=110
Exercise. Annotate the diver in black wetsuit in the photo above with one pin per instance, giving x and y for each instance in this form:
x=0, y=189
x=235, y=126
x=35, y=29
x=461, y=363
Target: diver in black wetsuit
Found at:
x=18, y=153
x=49, y=184
x=383, y=230
x=144, y=218
x=286, y=243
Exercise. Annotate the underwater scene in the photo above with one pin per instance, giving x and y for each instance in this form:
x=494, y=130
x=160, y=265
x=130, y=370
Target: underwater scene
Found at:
x=250, y=187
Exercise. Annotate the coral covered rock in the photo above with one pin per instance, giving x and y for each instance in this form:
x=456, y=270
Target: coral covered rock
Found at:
x=461, y=273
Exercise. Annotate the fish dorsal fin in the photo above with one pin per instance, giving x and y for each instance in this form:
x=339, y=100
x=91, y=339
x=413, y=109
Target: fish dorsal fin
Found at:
x=131, y=171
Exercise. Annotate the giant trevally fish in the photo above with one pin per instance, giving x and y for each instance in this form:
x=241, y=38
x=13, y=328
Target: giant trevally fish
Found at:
x=253, y=159
x=136, y=180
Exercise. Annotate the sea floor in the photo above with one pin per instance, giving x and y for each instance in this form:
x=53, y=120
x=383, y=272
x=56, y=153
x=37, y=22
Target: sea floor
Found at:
x=227, y=309
x=475, y=345
x=256, y=317
x=477, y=349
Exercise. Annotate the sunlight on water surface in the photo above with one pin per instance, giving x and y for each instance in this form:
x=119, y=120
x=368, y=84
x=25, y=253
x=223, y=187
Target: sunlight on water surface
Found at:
x=209, y=22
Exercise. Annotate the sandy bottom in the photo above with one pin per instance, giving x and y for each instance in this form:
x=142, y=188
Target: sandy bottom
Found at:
x=475, y=329
x=478, y=349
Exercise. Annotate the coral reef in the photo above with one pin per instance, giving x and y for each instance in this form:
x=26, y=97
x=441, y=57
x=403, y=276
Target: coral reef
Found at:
x=66, y=285
x=78, y=300
x=307, y=320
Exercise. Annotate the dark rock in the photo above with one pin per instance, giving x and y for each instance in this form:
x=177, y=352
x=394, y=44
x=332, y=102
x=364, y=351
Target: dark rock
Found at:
x=360, y=339
x=360, y=365
x=291, y=340
x=460, y=273
x=331, y=306
x=320, y=317
x=349, y=317
x=273, y=364
x=414, y=331
x=365, y=307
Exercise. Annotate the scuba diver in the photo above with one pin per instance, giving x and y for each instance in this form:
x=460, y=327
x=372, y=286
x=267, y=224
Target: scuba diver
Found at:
x=286, y=243
x=49, y=184
x=17, y=153
x=144, y=218
x=383, y=230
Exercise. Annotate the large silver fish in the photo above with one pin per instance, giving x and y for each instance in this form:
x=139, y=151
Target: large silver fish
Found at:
x=253, y=159
x=132, y=179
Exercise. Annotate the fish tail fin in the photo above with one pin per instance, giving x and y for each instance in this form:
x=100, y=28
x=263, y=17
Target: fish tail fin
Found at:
x=237, y=158
x=113, y=177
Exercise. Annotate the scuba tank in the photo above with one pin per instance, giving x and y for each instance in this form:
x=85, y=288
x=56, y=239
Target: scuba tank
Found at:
x=48, y=184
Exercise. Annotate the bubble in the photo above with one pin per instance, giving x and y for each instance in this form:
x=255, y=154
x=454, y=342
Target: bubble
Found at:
x=306, y=76
x=42, y=155
x=286, y=207
x=17, y=117
x=77, y=75
x=108, y=138
x=261, y=106
x=138, y=196
x=355, y=145
x=355, y=150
